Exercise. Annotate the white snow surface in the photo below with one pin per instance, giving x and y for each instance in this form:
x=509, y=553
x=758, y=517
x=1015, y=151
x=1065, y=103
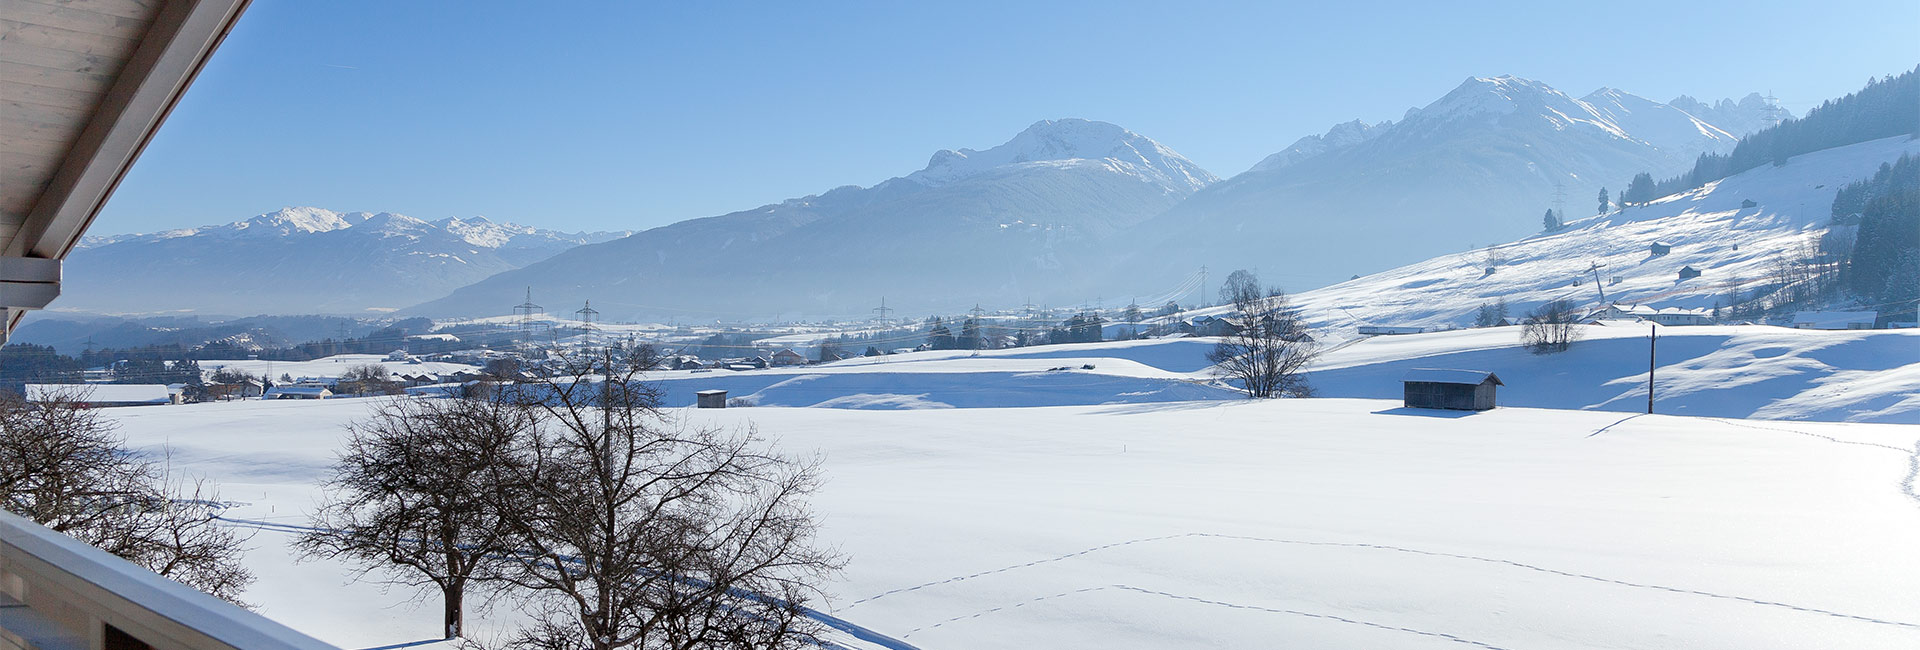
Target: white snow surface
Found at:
x=1321, y=523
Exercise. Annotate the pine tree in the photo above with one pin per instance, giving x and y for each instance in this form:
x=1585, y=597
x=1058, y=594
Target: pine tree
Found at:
x=1603, y=201
x=1550, y=222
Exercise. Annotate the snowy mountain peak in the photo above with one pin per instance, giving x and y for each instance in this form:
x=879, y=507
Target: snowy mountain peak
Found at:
x=1749, y=114
x=1490, y=95
x=1341, y=136
x=290, y=220
x=1067, y=140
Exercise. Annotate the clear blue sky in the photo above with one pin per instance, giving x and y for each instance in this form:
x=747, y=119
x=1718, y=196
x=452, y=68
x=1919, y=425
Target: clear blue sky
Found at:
x=628, y=115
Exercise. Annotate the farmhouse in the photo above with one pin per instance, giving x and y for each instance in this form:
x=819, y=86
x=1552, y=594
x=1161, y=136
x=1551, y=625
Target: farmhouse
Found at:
x=787, y=357
x=1682, y=316
x=1441, y=388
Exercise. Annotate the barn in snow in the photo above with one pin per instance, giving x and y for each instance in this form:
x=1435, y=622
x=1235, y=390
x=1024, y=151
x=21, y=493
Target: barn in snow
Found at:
x=1441, y=388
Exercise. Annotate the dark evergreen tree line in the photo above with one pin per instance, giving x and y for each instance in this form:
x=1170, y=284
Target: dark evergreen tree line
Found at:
x=1885, y=108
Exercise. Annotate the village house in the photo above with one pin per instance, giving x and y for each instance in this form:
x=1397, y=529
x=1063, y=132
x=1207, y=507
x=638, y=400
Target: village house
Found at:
x=787, y=357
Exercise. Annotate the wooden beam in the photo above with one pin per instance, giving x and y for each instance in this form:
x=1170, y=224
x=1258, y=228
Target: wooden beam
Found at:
x=172, y=51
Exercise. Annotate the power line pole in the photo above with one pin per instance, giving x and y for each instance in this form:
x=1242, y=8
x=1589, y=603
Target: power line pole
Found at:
x=1772, y=112
x=526, y=310
x=586, y=315
x=1595, y=267
x=883, y=310
x=1653, y=335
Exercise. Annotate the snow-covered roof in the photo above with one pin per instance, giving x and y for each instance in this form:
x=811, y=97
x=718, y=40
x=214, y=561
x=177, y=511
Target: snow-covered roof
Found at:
x=298, y=390
x=102, y=393
x=1451, y=376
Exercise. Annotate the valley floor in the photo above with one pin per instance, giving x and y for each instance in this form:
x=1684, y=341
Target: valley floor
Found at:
x=1323, y=523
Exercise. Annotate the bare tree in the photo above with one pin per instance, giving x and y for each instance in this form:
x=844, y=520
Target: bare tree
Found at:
x=1269, y=345
x=1551, y=327
x=413, y=496
x=62, y=467
x=635, y=531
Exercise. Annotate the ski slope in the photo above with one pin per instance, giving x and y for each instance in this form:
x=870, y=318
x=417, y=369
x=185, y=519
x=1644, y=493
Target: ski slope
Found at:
x=1324, y=523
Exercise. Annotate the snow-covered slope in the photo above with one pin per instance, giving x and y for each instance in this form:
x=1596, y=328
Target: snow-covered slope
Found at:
x=1478, y=165
x=1016, y=221
x=300, y=261
x=1289, y=523
x=1707, y=229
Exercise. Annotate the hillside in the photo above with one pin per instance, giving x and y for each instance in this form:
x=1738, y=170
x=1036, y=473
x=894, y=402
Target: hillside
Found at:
x=300, y=261
x=1707, y=229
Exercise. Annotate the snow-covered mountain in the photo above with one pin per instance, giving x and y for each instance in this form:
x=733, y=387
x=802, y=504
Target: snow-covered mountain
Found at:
x=1027, y=219
x=1710, y=229
x=301, y=260
x=1479, y=165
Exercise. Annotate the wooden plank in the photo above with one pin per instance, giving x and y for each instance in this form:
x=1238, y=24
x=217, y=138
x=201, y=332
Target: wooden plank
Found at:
x=38, y=123
x=33, y=75
x=49, y=95
x=76, y=19
x=47, y=57
x=16, y=32
x=141, y=9
x=28, y=147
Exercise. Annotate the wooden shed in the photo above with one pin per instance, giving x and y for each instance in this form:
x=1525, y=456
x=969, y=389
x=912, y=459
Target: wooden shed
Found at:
x=711, y=399
x=1443, y=388
x=1689, y=273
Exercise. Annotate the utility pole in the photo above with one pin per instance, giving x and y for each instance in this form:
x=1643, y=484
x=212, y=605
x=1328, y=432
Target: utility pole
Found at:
x=883, y=310
x=1595, y=268
x=526, y=310
x=1653, y=335
x=1772, y=110
x=586, y=315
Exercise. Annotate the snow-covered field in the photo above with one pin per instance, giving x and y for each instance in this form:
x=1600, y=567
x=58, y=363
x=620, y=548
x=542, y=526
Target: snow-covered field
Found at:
x=1721, y=371
x=1325, y=523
